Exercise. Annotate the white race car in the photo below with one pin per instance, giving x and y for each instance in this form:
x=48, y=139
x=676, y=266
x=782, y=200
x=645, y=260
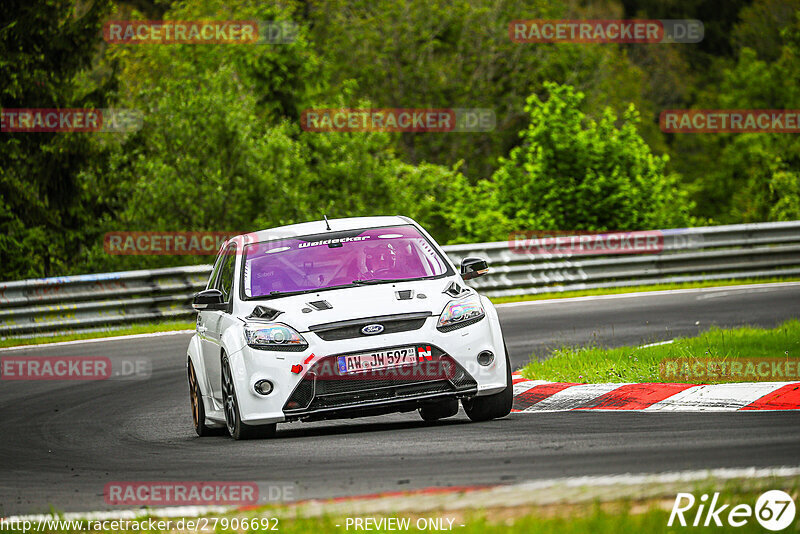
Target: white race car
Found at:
x=342, y=318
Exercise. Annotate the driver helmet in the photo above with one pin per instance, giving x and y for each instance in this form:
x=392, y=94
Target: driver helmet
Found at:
x=380, y=257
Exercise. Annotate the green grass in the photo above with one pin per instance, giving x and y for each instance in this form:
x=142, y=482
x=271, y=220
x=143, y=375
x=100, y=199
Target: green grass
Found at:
x=609, y=515
x=637, y=289
x=597, y=521
x=641, y=364
x=144, y=328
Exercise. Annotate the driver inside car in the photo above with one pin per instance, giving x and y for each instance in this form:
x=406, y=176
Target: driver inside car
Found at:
x=379, y=261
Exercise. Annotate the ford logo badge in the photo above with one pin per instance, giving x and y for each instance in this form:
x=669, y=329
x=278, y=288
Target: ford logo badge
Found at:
x=372, y=329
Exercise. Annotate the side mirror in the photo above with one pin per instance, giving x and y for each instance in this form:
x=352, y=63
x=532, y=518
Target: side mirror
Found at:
x=473, y=268
x=209, y=299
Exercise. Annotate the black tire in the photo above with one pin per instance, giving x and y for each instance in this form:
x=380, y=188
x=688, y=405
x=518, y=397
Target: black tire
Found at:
x=439, y=410
x=492, y=406
x=198, y=409
x=236, y=428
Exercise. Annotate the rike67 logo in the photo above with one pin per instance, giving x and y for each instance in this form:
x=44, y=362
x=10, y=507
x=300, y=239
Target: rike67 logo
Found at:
x=774, y=510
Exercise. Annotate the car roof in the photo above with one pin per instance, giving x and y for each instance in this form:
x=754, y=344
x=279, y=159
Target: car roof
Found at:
x=319, y=227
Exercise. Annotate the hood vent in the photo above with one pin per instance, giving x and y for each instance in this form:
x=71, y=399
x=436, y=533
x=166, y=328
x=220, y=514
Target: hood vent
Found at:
x=264, y=312
x=454, y=290
x=320, y=305
x=405, y=294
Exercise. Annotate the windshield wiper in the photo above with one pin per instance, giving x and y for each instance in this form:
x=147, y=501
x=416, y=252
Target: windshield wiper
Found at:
x=383, y=281
x=275, y=294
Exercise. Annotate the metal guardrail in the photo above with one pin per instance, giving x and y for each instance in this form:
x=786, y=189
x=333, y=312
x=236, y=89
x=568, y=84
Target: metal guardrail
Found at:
x=80, y=303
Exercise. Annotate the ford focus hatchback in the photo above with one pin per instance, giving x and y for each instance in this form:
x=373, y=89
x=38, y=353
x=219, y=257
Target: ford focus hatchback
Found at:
x=338, y=319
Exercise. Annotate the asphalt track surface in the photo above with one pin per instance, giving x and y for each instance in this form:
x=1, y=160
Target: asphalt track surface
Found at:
x=63, y=441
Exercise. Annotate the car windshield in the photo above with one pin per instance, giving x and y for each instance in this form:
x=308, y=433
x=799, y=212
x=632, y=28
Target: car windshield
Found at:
x=334, y=259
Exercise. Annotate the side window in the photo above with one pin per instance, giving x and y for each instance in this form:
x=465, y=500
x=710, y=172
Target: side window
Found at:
x=212, y=280
x=224, y=281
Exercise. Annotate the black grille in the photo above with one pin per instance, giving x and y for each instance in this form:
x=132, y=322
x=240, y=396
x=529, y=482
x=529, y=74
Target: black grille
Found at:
x=372, y=395
x=322, y=387
x=302, y=395
x=349, y=332
x=352, y=329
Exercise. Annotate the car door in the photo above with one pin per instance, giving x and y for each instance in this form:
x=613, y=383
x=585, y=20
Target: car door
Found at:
x=213, y=319
x=204, y=317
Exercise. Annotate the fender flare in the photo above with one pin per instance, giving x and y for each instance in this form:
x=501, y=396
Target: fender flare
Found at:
x=194, y=354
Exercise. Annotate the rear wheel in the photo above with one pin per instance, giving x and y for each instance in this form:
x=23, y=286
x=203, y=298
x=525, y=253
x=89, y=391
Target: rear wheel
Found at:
x=439, y=410
x=492, y=406
x=236, y=428
x=198, y=409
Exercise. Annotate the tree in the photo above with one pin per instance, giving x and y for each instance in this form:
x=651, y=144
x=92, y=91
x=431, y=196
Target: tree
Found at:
x=743, y=177
x=458, y=54
x=221, y=148
x=44, y=48
x=574, y=173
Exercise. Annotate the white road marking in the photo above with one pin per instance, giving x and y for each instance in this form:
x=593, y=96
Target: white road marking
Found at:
x=669, y=341
x=572, y=397
x=522, y=387
x=700, y=398
x=716, y=397
x=670, y=476
x=100, y=339
x=700, y=290
x=728, y=293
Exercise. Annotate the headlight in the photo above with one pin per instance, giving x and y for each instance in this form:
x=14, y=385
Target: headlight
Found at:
x=274, y=336
x=461, y=312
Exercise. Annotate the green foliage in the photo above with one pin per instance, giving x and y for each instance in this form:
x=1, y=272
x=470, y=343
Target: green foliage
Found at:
x=754, y=176
x=572, y=172
x=43, y=213
x=219, y=150
x=221, y=147
x=760, y=26
x=784, y=188
x=457, y=53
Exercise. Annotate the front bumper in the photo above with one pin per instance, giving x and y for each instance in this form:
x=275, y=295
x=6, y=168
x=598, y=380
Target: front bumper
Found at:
x=316, y=392
x=323, y=393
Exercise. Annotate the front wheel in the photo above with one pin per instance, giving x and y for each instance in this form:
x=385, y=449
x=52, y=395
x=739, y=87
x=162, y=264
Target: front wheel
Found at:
x=236, y=428
x=492, y=406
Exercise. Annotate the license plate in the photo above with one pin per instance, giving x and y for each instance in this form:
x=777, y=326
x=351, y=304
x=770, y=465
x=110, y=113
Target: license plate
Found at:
x=380, y=359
